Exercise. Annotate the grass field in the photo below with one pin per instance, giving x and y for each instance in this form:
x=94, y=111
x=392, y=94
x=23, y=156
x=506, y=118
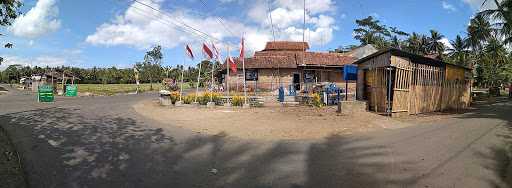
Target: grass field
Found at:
x=112, y=89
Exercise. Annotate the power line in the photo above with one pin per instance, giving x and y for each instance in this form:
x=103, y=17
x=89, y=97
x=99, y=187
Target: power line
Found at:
x=167, y=23
x=271, y=22
x=218, y=19
x=182, y=22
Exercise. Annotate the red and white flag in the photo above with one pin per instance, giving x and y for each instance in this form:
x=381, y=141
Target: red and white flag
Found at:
x=189, y=53
x=208, y=54
x=216, y=52
x=242, y=49
x=232, y=64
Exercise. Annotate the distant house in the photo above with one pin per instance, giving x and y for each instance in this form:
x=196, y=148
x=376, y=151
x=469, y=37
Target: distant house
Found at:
x=362, y=51
x=289, y=64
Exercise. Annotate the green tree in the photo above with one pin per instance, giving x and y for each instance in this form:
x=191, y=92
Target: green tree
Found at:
x=370, y=31
x=434, y=43
x=9, y=10
x=502, y=18
x=459, y=53
x=151, y=68
x=479, y=31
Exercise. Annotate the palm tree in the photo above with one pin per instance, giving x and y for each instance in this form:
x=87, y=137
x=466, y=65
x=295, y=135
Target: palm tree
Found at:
x=502, y=18
x=459, y=52
x=493, y=61
x=434, y=44
x=479, y=31
x=413, y=43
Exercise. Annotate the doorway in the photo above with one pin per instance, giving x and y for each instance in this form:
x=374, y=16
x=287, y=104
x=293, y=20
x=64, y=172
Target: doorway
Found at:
x=296, y=81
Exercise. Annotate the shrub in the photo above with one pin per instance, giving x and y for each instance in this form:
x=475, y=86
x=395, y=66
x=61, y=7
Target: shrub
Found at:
x=317, y=100
x=206, y=97
x=238, y=100
x=175, y=96
x=189, y=99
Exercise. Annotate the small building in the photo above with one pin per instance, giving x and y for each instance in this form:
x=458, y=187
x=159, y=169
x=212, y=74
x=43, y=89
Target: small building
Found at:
x=289, y=64
x=401, y=83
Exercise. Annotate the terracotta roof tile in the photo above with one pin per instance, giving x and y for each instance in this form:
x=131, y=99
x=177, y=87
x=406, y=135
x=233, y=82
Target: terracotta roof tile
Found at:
x=286, y=46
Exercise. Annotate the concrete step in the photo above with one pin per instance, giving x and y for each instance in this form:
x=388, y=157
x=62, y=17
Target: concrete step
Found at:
x=290, y=104
x=289, y=99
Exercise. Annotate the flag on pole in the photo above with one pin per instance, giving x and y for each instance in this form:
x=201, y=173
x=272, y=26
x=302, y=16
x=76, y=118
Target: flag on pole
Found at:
x=189, y=53
x=242, y=57
x=242, y=48
x=207, y=51
x=232, y=64
x=216, y=52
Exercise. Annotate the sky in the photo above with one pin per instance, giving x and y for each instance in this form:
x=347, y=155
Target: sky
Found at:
x=106, y=33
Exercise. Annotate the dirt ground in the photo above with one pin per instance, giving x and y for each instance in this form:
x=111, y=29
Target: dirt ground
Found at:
x=270, y=123
x=11, y=174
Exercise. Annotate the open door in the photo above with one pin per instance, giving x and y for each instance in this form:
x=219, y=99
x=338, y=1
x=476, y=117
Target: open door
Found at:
x=296, y=81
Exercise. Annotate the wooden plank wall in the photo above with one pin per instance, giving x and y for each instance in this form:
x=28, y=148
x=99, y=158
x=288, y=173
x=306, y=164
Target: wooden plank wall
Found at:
x=417, y=88
x=376, y=83
x=426, y=89
x=402, y=84
x=422, y=88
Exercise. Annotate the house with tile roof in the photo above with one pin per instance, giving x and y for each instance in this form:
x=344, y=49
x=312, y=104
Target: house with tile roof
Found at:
x=289, y=64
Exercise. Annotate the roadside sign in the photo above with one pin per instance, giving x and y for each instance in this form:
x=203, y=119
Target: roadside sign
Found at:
x=71, y=90
x=45, y=93
x=349, y=72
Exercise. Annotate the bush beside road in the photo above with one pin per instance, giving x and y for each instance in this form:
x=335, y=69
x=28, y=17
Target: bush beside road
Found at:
x=112, y=89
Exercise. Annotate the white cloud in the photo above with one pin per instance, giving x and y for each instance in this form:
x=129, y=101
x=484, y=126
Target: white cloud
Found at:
x=477, y=4
x=446, y=43
x=448, y=6
x=288, y=18
x=41, y=61
x=141, y=27
x=38, y=21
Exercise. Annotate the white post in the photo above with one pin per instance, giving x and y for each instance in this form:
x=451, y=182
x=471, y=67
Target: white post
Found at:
x=228, y=66
x=245, y=82
x=182, y=70
x=211, y=86
x=198, y=77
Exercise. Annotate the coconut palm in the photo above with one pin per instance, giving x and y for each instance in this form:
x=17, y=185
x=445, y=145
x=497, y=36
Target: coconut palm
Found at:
x=501, y=18
x=458, y=52
x=434, y=43
x=479, y=31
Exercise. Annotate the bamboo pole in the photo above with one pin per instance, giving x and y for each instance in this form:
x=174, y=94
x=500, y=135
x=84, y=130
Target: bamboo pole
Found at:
x=197, y=85
x=228, y=66
x=181, y=85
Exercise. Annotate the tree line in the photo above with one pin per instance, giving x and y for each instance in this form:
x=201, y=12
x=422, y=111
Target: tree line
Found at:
x=485, y=46
x=113, y=75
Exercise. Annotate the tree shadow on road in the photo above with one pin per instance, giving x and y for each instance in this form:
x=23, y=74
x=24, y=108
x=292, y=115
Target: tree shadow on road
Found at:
x=496, y=158
x=62, y=147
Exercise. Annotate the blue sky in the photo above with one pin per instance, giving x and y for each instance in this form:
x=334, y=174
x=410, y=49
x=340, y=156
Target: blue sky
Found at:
x=107, y=33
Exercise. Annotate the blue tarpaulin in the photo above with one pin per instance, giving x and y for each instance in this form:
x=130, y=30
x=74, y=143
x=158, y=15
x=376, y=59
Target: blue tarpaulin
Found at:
x=350, y=72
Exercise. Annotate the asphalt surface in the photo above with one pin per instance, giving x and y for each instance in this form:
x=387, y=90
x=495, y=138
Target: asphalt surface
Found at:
x=103, y=142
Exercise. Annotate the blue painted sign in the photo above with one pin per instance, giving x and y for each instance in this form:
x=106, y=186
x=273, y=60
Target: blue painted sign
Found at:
x=349, y=72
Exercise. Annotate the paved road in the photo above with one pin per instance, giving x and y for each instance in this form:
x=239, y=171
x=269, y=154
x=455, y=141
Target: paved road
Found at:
x=102, y=142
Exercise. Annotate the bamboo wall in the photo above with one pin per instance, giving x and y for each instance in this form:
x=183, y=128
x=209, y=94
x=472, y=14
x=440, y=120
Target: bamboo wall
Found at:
x=417, y=88
x=422, y=88
x=376, y=89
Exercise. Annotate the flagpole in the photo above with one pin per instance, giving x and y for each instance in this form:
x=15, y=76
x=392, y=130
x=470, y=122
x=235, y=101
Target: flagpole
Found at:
x=197, y=86
x=182, y=70
x=228, y=66
x=211, y=84
x=243, y=68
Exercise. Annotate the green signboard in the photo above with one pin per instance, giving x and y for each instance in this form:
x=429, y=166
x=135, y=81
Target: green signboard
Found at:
x=71, y=90
x=45, y=93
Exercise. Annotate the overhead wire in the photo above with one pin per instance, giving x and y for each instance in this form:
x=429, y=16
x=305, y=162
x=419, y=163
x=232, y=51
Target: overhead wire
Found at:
x=220, y=20
x=271, y=21
x=183, y=24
